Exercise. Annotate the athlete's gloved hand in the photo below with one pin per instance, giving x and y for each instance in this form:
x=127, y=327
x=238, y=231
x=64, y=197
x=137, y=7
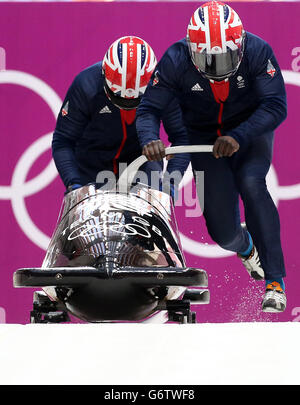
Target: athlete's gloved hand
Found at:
x=225, y=146
x=155, y=150
x=72, y=187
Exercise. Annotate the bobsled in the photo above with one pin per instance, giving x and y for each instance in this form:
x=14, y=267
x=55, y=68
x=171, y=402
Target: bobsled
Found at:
x=116, y=256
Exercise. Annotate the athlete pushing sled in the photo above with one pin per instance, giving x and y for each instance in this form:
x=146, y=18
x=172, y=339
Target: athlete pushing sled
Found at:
x=232, y=95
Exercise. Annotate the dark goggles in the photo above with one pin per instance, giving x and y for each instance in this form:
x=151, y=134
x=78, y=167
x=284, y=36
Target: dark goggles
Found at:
x=122, y=102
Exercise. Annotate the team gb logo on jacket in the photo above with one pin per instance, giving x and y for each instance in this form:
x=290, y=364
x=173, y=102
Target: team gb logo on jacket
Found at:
x=270, y=69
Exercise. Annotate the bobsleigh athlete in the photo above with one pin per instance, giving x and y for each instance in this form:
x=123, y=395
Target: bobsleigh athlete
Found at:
x=95, y=129
x=232, y=95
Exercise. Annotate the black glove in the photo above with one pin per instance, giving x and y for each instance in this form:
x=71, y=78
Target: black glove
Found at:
x=72, y=187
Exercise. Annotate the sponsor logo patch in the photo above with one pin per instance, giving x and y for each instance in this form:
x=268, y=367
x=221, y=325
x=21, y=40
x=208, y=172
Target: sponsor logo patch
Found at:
x=240, y=82
x=197, y=87
x=105, y=110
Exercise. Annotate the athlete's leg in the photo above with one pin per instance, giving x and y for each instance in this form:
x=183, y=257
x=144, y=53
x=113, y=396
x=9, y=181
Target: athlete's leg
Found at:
x=221, y=202
x=251, y=167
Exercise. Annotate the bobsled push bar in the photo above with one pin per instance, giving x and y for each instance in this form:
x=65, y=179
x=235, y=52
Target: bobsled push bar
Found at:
x=79, y=276
x=127, y=176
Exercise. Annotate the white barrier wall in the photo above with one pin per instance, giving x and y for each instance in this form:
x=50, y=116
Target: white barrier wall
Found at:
x=131, y=354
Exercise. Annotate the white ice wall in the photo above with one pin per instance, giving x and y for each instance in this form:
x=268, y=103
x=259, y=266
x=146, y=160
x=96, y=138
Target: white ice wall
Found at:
x=111, y=354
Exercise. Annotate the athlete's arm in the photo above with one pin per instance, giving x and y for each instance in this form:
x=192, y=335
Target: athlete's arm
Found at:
x=160, y=92
x=71, y=122
x=177, y=136
x=270, y=90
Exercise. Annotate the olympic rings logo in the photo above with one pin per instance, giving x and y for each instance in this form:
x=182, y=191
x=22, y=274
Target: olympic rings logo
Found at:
x=19, y=188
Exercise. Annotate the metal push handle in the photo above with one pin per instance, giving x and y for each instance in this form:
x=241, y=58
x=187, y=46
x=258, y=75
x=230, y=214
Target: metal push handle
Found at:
x=126, y=178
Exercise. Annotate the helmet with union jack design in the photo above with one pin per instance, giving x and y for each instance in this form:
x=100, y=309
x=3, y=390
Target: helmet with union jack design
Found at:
x=127, y=67
x=215, y=37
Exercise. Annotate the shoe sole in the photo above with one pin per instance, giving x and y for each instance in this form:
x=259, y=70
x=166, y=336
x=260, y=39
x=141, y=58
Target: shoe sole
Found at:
x=272, y=310
x=256, y=275
x=270, y=306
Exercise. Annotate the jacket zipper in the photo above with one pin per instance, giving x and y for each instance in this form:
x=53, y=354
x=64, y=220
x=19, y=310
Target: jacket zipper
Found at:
x=220, y=123
x=127, y=117
x=115, y=165
x=220, y=91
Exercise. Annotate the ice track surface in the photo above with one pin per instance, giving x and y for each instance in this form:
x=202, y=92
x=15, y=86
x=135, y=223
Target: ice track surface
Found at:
x=145, y=354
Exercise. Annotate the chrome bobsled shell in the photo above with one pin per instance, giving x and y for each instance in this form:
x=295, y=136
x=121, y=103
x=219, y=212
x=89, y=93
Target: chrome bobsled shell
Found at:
x=114, y=256
x=110, y=229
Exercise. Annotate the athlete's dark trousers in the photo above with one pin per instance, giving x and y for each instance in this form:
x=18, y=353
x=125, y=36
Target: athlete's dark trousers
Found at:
x=243, y=174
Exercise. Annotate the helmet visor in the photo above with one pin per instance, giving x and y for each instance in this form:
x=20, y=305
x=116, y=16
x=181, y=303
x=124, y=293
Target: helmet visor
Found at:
x=217, y=66
x=122, y=102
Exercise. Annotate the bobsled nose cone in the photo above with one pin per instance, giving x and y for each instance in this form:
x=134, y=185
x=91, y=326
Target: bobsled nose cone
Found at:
x=100, y=301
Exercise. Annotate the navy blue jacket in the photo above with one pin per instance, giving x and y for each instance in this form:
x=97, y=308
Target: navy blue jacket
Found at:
x=89, y=133
x=256, y=103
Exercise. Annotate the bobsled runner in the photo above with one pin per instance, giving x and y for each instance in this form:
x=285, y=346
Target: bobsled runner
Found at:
x=116, y=256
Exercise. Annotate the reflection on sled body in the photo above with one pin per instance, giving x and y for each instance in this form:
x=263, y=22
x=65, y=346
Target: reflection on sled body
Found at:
x=114, y=256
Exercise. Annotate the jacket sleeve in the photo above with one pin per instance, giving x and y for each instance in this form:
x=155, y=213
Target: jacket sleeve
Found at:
x=71, y=122
x=269, y=87
x=160, y=103
x=177, y=136
x=160, y=92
